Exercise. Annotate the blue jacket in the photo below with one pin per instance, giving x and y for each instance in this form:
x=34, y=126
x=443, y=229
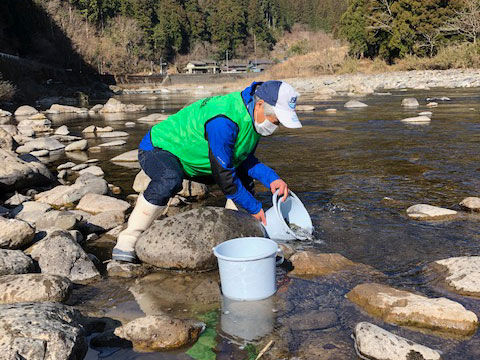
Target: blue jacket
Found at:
x=221, y=136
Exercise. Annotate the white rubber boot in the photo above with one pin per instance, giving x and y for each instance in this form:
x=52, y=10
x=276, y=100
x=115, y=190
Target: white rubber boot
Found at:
x=140, y=219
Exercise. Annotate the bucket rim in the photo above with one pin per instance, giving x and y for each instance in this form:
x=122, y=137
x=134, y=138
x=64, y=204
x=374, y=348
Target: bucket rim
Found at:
x=248, y=258
x=276, y=205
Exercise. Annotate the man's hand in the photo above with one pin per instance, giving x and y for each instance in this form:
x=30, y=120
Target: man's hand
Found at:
x=281, y=186
x=260, y=216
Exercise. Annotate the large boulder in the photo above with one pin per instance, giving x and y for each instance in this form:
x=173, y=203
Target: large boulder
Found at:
x=30, y=211
x=25, y=110
x=429, y=212
x=373, y=342
x=27, y=126
x=115, y=106
x=94, y=203
x=44, y=143
x=100, y=222
x=34, y=288
x=153, y=118
x=309, y=263
x=185, y=241
x=16, y=173
x=60, y=254
x=405, y=308
x=44, y=331
x=64, y=109
x=15, y=234
x=79, y=145
x=160, y=332
x=14, y=262
x=462, y=274
x=471, y=203
x=63, y=194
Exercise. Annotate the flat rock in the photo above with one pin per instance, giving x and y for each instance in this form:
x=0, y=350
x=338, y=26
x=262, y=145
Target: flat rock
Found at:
x=113, y=134
x=65, y=109
x=104, y=129
x=405, y=308
x=66, y=166
x=15, y=234
x=63, y=220
x=305, y=108
x=127, y=156
x=185, y=241
x=63, y=194
x=77, y=146
x=14, y=262
x=130, y=124
x=331, y=110
x=417, y=120
x=432, y=104
x=153, y=118
x=17, y=199
x=25, y=110
x=127, y=270
x=471, y=203
x=410, y=102
x=59, y=254
x=354, y=104
x=311, y=320
x=30, y=211
x=101, y=222
x=160, y=332
x=462, y=274
x=34, y=288
x=44, y=143
x=94, y=203
x=426, y=212
x=89, y=129
x=309, y=263
x=16, y=173
x=79, y=167
x=113, y=143
x=373, y=342
x=96, y=108
x=66, y=138
x=425, y=113
x=43, y=331
x=94, y=170
x=62, y=130
x=115, y=106
x=5, y=113
x=40, y=153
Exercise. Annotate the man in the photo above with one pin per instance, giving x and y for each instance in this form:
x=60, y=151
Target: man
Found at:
x=213, y=137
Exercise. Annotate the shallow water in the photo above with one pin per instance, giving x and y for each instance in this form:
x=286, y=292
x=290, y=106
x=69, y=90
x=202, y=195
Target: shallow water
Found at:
x=356, y=172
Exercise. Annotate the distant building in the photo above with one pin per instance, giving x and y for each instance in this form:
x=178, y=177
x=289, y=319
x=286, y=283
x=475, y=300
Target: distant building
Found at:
x=235, y=66
x=259, y=65
x=201, y=67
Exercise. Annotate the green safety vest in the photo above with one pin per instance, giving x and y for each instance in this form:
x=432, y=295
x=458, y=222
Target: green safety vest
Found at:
x=183, y=134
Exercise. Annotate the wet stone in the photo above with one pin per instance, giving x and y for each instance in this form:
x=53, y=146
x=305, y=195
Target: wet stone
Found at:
x=309, y=263
x=94, y=203
x=127, y=270
x=311, y=320
x=462, y=274
x=429, y=212
x=471, y=203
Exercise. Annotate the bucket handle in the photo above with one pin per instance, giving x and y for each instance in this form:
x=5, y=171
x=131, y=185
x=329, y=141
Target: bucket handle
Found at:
x=282, y=257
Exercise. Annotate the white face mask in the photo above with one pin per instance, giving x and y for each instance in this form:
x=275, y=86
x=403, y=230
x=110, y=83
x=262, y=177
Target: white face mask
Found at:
x=265, y=128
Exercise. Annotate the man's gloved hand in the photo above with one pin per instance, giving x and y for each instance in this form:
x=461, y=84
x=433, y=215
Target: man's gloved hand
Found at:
x=260, y=216
x=281, y=186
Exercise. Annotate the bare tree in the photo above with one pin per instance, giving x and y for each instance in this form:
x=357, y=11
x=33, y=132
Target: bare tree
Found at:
x=431, y=38
x=382, y=17
x=467, y=20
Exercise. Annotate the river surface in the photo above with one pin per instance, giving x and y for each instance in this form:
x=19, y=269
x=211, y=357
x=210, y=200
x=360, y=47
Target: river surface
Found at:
x=356, y=171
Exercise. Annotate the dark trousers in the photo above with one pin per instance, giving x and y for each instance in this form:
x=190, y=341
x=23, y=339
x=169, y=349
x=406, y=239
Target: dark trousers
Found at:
x=166, y=173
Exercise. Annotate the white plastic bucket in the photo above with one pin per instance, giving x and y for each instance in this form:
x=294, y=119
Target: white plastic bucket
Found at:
x=247, y=267
x=293, y=211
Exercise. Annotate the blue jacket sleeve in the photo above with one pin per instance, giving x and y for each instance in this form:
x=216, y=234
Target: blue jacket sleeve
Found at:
x=259, y=171
x=221, y=135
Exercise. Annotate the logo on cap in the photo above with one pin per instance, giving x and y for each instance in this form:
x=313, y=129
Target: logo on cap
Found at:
x=293, y=102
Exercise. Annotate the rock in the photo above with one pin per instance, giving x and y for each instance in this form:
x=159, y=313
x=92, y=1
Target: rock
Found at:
x=11, y=129
x=64, y=220
x=40, y=153
x=4, y=113
x=95, y=149
x=94, y=203
x=189, y=188
x=354, y=104
x=65, y=109
x=77, y=236
x=113, y=134
x=65, y=166
x=405, y=308
x=4, y=211
x=114, y=143
x=62, y=130
x=66, y=138
x=127, y=156
x=331, y=110
x=62, y=174
x=462, y=274
x=44, y=143
x=101, y=222
x=89, y=129
x=17, y=174
x=15, y=234
x=44, y=331
x=63, y=194
x=305, y=108
x=153, y=118
x=130, y=124
x=373, y=342
x=17, y=199
x=311, y=320
x=425, y=113
x=160, y=332
x=104, y=129
x=79, y=167
x=471, y=203
x=96, y=108
x=25, y=110
x=410, y=102
x=59, y=254
x=34, y=288
x=309, y=263
x=30, y=211
x=14, y=262
x=30, y=126
x=427, y=212
x=6, y=140
x=417, y=120
x=441, y=98
x=127, y=270
x=432, y=104
x=287, y=250
x=94, y=170
x=77, y=146
x=115, y=106
x=185, y=241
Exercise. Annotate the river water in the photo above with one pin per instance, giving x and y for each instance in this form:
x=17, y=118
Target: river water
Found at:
x=356, y=171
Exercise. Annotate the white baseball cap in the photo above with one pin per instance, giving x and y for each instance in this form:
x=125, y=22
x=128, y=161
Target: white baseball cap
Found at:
x=283, y=97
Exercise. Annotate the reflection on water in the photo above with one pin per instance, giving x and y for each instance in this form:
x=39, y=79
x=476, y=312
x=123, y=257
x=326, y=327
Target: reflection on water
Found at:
x=356, y=171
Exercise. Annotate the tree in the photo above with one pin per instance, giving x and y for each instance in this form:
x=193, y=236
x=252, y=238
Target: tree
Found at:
x=467, y=20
